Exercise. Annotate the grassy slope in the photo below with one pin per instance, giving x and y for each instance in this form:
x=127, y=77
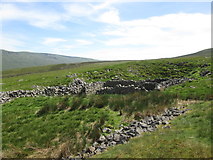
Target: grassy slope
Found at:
x=33, y=124
x=53, y=75
x=57, y=67
x=203, y=53
x=12, y=60
x=27, y=135
x=189, y=137
x=199, y=89
x=136, y=70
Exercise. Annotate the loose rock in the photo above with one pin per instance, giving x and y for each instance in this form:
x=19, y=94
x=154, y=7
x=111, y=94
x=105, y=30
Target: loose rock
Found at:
x=135, y=128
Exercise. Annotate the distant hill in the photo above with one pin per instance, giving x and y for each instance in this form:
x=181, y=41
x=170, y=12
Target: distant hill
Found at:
x=203, y=53
x=12, y=60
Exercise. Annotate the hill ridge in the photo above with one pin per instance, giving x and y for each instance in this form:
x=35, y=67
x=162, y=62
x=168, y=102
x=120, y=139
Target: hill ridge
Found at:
x=202, y=53
x=23, y=59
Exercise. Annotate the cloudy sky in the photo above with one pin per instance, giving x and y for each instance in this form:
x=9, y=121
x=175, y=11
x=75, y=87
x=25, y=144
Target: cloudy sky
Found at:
x=108, y=30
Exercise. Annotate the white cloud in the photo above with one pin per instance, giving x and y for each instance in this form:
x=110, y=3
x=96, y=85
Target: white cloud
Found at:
x=102, y=12
x=155, y=37
x=50, y=41
x=140, y=53
x=65, y=47
x=88, y=34
x=111, y=17
x=166, y=35
x=107, y=4
x=83, y=42
x=78, y=10
x=88, y=9
x=33, y=17
x=54, y=19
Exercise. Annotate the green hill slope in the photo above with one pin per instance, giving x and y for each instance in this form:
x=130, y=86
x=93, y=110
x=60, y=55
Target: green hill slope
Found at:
x=12, y=60
x=51, y=127
x=203, y=53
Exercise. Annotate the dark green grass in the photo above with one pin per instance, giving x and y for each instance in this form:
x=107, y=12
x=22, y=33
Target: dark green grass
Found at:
x=30, y=124
x=25, y=131
x=128, y=104
x=189, y=137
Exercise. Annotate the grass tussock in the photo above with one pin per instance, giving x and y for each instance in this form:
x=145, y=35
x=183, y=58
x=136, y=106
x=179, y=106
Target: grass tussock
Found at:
x=138, y=102
x=32, y=124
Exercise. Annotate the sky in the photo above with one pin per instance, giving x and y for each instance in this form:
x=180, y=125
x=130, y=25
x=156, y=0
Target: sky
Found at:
x=106, y=30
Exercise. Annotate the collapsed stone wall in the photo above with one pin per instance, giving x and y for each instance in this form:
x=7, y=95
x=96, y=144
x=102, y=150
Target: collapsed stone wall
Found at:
x=135, y=128
x=78, y=86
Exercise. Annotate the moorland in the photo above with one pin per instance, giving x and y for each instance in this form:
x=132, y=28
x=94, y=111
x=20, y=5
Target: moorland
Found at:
x=60, y=126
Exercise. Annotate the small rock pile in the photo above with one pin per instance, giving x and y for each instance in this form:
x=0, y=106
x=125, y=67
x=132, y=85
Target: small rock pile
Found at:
x=171, y=82
x=78, y=86
x=135, y=128
x=205, y=73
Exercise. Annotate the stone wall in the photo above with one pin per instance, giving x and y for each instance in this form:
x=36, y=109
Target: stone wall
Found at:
x=78, y=86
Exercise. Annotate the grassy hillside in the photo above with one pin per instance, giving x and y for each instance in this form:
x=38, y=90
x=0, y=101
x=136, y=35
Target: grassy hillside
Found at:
x=12, y=60
x=27, y=78
x=203, y=53
x=103, y=71
x=59, y=126
x=57, y=67
x=39, y=127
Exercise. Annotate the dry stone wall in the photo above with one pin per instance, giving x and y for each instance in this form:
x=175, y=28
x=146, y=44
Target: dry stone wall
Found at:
x=78, y=86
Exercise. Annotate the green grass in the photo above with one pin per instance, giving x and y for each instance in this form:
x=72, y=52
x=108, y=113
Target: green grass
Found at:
x=151, y=69
x=25, y=131
x=30, y=124
x=47, y=75
x=200, y=89
x=55, y=126
x=103, y=71
x=189, y=137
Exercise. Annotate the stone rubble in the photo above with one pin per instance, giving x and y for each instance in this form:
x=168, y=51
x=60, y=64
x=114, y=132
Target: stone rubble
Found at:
x=78, y=86
x=205, y=73
x=135, y=128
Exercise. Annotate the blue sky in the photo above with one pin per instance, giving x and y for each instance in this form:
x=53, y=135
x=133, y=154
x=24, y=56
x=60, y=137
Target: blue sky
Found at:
x=108, y=30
